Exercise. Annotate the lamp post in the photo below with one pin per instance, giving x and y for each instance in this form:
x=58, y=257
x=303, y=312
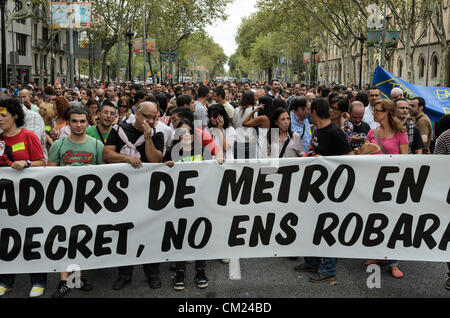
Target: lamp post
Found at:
x=362, y=39
x=129, y=34
x=313, y=69
x=4, y=83
x=107, y=68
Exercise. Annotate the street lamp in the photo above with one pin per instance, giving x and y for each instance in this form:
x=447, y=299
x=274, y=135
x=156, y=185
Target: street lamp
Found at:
x=313, y=71
x=362, y=39
x=3, y=83
x=107, y=68
x=129, y=34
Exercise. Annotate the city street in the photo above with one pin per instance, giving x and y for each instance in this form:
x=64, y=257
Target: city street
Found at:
x=264, y=278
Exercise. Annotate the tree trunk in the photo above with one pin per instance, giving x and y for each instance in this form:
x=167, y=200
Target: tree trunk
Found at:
x=443, y=76
x=409, y=59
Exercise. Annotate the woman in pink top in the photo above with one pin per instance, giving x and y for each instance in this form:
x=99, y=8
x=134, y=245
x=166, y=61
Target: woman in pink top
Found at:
x=391, y=133
x=394, y=140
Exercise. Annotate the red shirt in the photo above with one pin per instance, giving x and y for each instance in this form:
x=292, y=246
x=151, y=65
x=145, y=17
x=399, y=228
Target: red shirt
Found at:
x=25, y=146
x=207, y=141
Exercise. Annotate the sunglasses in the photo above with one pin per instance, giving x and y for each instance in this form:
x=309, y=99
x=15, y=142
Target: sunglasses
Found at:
x=213, y=116
x=123, y=106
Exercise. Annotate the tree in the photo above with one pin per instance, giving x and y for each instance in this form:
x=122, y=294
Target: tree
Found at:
x=408, y=15
x=436, y=19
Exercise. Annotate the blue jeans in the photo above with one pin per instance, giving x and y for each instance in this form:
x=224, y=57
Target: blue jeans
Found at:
x=37, y=279
x=326, y=266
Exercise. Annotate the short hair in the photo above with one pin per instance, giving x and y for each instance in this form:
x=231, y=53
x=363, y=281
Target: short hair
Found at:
x=75, y=110
x=363, y=97
x=203, y=91
x=442, y=125
x=278, y=102
x=273, y=80
x=298, y=102
x=342, y=103
x=107, y=103
x=397, y=90
x=321, y=107
x=421, y=101
x=139, y=95
x=352, y=105
x=348, y=93
x=151, y=98
x=401, y=99
x=324, y=92
x=13, y=106
x=374, y=88
x=136, y=87
x=183, y=100
x=220, y=92
x=184, y=112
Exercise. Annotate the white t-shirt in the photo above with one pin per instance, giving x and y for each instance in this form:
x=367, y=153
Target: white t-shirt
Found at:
x=368, y=117
x=230, y=136
x=167, y=131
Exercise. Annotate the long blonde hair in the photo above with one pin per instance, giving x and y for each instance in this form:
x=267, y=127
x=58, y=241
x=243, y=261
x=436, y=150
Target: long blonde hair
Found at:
x=395, y=123
x=49, y=112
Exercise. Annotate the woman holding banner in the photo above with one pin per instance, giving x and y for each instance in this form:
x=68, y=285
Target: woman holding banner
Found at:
x=188, y=148
x=282, y=142
x=392, y=139
x=19, y=149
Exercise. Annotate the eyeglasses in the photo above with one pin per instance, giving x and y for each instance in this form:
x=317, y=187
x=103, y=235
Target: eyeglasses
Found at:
x=375, y=110
x=155, y=118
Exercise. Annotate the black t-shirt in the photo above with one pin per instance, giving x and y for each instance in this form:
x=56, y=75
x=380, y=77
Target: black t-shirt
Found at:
x=361, y=131
x=133, y=135
x=416, y=143
x=330, y=141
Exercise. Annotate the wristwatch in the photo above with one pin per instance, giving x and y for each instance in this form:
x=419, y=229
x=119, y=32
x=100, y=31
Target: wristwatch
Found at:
x=28, y=163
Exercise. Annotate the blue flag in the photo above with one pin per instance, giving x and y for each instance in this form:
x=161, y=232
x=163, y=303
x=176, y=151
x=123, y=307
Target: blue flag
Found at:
x=437, y=98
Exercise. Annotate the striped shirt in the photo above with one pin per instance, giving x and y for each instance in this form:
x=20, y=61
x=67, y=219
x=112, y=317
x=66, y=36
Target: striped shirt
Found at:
x=443, y=144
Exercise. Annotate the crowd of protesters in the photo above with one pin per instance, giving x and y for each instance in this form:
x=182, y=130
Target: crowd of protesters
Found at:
x=156, y=123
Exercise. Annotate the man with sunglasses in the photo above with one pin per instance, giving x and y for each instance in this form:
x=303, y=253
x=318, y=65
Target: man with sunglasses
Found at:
x=136, y=144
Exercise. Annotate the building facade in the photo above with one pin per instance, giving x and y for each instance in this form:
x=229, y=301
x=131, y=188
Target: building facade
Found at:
x=427, y=59
x=30, y=42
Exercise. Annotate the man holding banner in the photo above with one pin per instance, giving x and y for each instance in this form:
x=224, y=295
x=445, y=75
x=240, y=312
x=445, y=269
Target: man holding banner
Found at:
x=329, y=140
x=136, y=144
x=78, y=149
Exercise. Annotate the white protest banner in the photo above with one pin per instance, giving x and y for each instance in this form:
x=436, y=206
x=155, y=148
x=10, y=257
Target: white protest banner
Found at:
x=367, y=207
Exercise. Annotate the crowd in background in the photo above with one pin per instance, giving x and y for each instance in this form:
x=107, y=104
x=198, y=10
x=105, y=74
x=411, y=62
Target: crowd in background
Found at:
x=157, y=123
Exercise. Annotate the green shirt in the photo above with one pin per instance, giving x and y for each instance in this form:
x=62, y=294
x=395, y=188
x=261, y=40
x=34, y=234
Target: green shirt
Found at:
x=92, y=131
x=65, y=152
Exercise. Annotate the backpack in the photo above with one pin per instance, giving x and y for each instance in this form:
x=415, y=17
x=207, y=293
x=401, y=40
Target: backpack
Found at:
x=129, y=149
x=6, y=157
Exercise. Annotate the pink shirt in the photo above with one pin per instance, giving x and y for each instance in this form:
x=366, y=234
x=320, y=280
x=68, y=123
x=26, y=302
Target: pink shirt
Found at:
x=391, y=145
